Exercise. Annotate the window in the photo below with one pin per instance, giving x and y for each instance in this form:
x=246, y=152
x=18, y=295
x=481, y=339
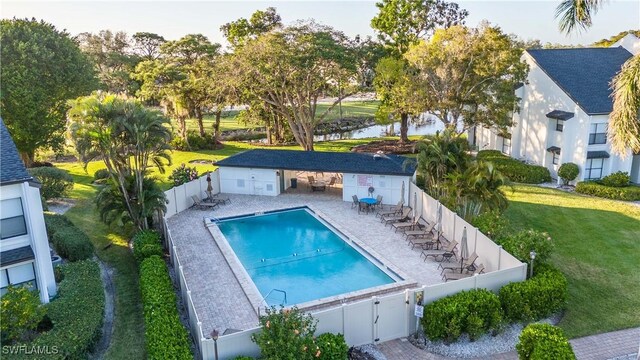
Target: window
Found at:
x=556, y=157
x=598, y=134
x=240, y=183
x=559, y=125
x=594, y=169
x=21, y=275
x=506, y=146
x=12, y=223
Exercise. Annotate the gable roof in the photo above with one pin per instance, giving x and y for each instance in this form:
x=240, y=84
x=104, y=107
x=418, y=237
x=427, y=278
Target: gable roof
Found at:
x=12, y=169
x=349, y=162
x=583, y=73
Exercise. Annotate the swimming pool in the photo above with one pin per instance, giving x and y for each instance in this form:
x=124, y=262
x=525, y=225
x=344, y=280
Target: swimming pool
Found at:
x=292, y=252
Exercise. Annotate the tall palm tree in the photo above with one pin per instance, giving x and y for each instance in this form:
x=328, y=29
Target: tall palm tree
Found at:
x=130, y=139
x=624, y=121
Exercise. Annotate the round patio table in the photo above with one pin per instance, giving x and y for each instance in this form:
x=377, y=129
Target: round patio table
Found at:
x=369, y=201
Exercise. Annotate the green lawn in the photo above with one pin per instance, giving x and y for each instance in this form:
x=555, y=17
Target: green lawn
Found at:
x=228, y=121
x=597, y=248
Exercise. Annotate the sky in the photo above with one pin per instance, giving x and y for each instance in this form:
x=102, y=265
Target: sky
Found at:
x=173, y=19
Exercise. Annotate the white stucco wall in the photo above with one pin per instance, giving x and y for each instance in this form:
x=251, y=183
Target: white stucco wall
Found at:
x=249, y=181
x=390, y=187
x=629, y=42
x=36, y=235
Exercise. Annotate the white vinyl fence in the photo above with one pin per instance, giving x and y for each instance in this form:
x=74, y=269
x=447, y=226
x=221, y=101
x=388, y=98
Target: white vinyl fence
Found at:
x=377, y=319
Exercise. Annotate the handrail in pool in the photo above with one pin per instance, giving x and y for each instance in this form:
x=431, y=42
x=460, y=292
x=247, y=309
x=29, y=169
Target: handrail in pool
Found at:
x=278, y=290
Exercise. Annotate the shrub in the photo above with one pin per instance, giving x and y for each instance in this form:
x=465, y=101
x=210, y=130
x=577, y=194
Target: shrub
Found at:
x=287, y=335
x=544, y=341
x=76, y=314
x=183, y=174
x=197, y=142
x=521, y=243
x=20, y=312
x=56, y=183
x=617, y=179
x=69, y=241
x=332, y=347
x=542, y=295
x=37, y=164
x=516, y=170
x=568, y=172
x=178, y=143
x=243, y=358
x=627, y=193
x=493, y=224
x=165, y=336
x=474, y=312
x=101, y=174
x=146, y=243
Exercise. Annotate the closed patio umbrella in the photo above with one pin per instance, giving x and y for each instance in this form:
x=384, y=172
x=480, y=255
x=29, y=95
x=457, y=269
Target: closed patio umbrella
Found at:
x=464, y=249
x=439, y=225
x=415, y=207
x=402, y=193
x=209, y=187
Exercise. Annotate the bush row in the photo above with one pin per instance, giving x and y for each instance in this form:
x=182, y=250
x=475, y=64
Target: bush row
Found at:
x=626, y=193
x=542, y=295
x=544, y=341
x=69, y=241
x=165, y=336
x=56, y=183
x=516, y=170
x=473, y=312
x=146, y=243
x=76, y=314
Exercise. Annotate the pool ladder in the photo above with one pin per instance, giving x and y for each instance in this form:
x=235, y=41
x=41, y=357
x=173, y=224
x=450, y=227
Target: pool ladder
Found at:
x=264, y=299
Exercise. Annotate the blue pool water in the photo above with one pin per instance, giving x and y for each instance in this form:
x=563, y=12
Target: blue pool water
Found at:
x=295, y=252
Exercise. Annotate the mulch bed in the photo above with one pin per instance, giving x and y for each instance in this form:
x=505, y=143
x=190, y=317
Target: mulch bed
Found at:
x=386, y=146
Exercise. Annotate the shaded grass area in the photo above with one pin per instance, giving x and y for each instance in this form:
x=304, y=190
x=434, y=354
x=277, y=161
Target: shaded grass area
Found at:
x=127, y=341
x=229, y=120
x=597, y=246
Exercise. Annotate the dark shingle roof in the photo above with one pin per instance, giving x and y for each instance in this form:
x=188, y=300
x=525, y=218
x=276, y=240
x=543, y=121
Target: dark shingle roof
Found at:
x=560, y=115
x=15, y=256
x=12, y=168
x=583, y=73
x=597, y=154
x=350, y=162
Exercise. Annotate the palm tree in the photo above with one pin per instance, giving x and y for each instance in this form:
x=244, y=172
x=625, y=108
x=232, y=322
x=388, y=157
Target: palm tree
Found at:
x=113, y=208
x=624, y=122
x=130, y=139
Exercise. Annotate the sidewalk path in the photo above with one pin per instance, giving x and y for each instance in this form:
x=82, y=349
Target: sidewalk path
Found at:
x=618, y=345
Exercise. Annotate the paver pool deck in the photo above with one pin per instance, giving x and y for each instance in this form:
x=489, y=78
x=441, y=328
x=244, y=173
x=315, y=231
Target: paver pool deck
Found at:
x=219, y=300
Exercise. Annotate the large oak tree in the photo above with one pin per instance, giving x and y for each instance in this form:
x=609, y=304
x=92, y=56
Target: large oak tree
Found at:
x=292, y=68
x=42, y=68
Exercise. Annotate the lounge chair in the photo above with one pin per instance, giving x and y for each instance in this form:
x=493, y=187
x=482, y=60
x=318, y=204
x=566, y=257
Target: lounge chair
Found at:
x=458, y=276
x=311, y=180
x=395, y=210
x=456, y=266
x=332, y=181
x=424, y=238
x=378, y=201
x=356, y=202
x=408, y=225
x=447, y=252
x=391, y=218
x=202, y=205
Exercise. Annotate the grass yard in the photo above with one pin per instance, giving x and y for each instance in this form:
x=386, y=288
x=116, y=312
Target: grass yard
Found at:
x=228, y=120
x=597, y=248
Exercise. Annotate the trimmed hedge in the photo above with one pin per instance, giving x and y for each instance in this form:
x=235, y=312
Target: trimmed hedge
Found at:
x=544, y=341
x=332, y=347
x=77, y=314
x=617, y=179
x=474, y=312
x=165, y=336
x=69, y=241
x=568, y=172
x=542, y=295
x=56, y=183
x=515, y=170
x=626, y=193
x=146, y=243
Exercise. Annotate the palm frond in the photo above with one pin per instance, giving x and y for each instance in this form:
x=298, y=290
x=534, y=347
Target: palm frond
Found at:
x=624, y=121
x=576, y=14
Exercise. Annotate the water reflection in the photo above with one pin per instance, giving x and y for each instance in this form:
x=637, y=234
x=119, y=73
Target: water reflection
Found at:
x=424, y=125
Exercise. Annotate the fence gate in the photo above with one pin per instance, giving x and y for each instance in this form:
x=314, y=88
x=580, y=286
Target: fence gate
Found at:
x=390, y=317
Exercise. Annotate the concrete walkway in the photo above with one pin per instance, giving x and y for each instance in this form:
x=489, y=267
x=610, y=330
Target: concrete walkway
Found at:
x=618, y=345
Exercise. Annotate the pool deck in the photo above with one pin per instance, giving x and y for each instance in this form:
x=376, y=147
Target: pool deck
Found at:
x=218, y=297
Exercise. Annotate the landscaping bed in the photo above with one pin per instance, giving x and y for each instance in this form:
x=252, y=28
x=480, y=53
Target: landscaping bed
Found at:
x=386, y=146
x=515, y=170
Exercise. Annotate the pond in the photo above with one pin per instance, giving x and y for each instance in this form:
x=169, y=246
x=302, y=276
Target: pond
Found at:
x=425, y=125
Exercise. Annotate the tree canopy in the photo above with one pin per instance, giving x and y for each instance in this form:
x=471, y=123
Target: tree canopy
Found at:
x=146, y=45
x=468, y=76
x=42, y=68
x=262, y=21
x=292, y=68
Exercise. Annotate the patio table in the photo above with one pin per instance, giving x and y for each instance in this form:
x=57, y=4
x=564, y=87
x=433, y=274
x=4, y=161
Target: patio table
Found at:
x=369, y=201
x=318, y=186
